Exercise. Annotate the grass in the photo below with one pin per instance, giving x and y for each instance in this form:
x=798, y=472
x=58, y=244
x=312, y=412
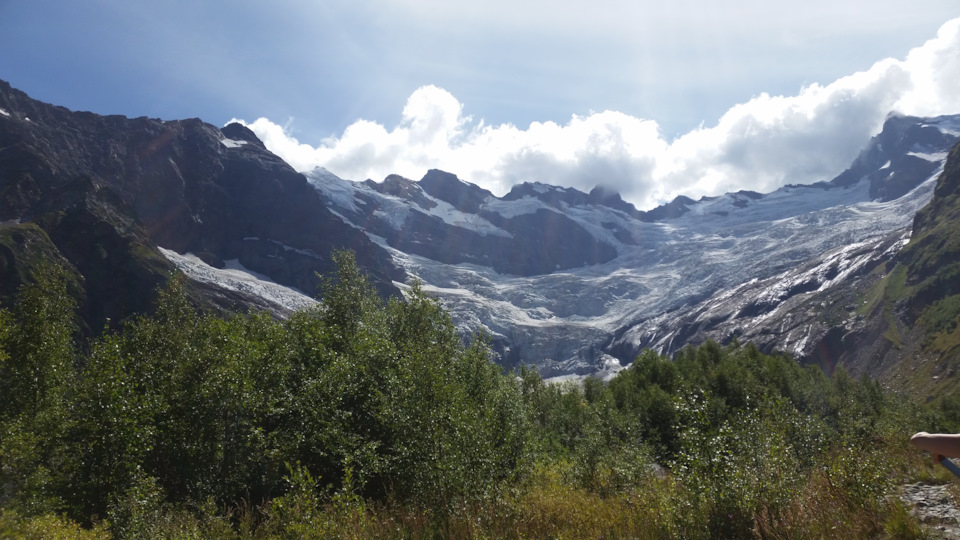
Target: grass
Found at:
x=941, y=321
x=933, y=370
x=873, y=298
x=946, y=342
x=894, y=289
x=29, y=245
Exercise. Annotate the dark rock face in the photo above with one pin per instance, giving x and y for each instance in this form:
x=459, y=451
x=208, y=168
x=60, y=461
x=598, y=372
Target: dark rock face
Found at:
x=120, y=187
x=543, y=242
x=399, y=186
x=528, y=244
x=96, y=232
x=674, y=209
x=607, y=197
x=447, y=187
x=91, y=233
x=557, y=196
x=901, y=136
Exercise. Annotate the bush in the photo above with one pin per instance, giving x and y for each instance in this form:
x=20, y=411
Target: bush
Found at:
x=183, y=423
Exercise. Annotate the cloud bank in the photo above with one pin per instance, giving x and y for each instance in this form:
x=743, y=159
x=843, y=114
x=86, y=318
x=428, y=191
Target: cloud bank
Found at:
x=759, y=145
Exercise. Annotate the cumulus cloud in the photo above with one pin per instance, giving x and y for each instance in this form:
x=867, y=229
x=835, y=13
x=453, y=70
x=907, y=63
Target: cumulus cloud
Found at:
x=758, y=145
x=935, y=74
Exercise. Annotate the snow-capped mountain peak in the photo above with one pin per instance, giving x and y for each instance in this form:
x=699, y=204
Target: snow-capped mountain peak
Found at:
x=569, y=280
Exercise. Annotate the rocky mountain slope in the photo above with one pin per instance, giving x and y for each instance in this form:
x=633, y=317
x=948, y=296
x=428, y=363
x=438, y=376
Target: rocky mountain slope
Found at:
x=105, y=191
x=917, y=305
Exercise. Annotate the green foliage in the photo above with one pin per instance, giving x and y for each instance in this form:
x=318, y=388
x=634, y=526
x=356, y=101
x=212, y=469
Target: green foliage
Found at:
x=14, y=525
x=388, y=391
x=297, y=512
x=137, y=512
x=186, y=424
x=942, y=315
x=940, y=321
x=36, y=371
x=6, y=329
x=186, y=398
x=744, y=433
x=39, y=347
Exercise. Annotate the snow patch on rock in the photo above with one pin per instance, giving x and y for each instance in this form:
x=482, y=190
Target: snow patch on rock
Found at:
x=232, y=143
x=236, y=277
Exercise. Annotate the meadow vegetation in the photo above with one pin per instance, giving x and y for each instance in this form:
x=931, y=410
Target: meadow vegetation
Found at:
x=370, y=418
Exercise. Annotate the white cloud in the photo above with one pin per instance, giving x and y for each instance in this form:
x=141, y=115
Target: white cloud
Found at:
x=758, y=145
x=935, y=73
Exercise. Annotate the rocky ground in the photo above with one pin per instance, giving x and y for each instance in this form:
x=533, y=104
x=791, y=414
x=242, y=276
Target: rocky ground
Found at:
x=935, y=507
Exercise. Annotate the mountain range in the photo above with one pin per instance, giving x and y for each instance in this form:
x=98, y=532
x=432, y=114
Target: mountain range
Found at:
x=861, y=270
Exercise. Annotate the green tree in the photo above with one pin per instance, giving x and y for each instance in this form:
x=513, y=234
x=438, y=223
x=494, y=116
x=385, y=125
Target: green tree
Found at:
x=39, y=361
x=36, y=373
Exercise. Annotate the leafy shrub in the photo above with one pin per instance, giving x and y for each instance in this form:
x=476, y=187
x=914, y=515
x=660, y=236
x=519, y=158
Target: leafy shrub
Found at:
x=183, y=423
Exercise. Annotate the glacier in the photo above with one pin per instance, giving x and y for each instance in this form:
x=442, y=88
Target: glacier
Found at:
x=727, y=262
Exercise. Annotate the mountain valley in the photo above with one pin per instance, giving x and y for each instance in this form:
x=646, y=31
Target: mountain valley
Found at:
x=573, y=283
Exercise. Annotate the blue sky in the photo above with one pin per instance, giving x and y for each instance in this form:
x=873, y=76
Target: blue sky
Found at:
x=654, y=99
